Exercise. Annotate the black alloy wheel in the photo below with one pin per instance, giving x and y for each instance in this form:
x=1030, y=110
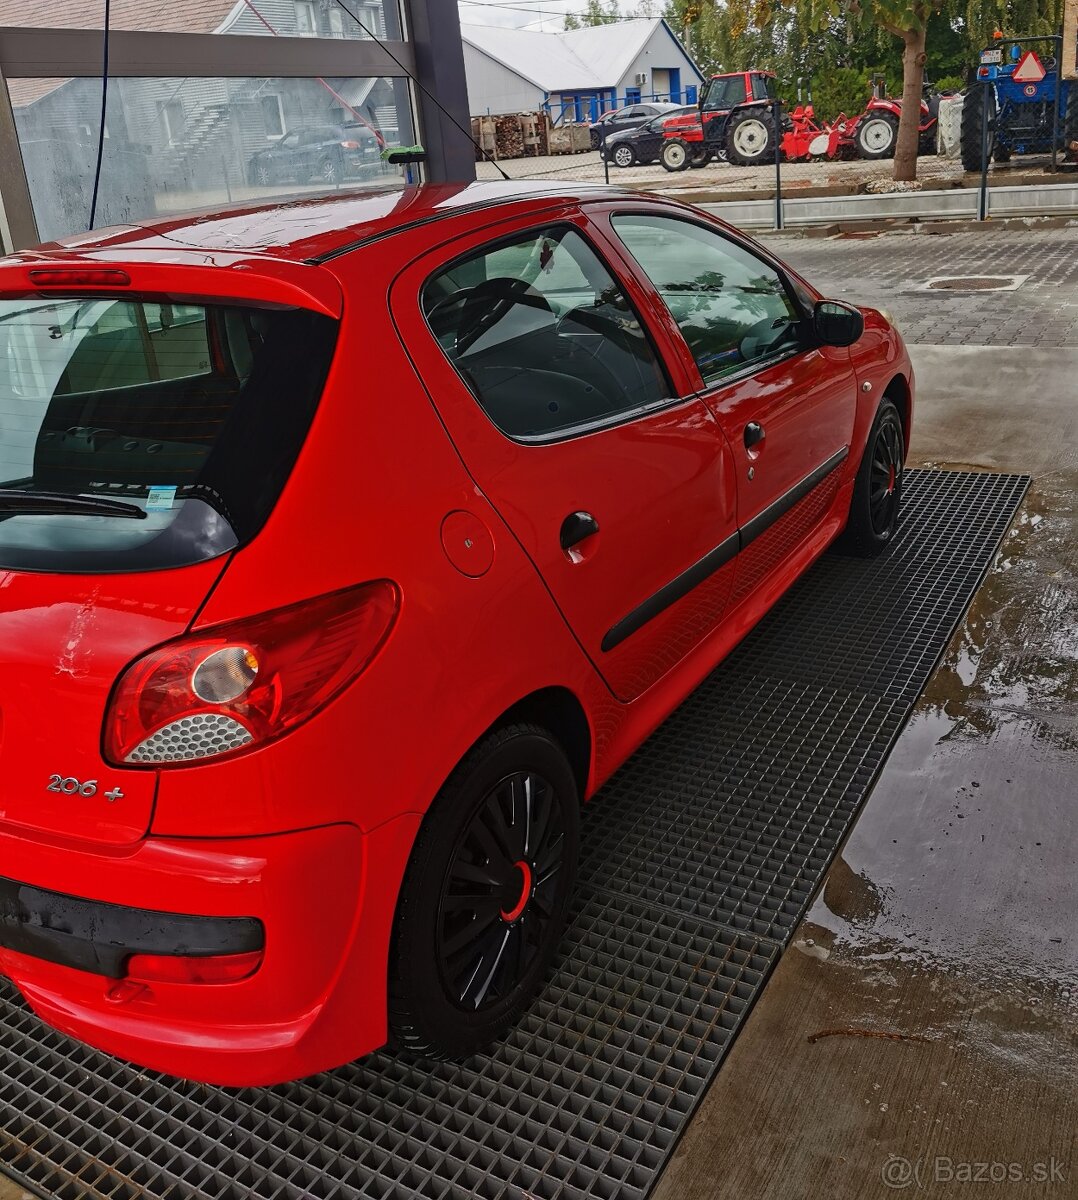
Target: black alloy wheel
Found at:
x=877, y=490
x=485, y=896
x=500, y=892
x=885, y=477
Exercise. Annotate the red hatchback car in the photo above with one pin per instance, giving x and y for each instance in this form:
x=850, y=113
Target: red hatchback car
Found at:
x=346, y=546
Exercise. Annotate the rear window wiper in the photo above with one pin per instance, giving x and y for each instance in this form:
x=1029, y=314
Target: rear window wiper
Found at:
x=14, y=500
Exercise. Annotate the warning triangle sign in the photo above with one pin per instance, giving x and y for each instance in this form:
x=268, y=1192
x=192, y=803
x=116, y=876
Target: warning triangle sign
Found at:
x=1030, y=69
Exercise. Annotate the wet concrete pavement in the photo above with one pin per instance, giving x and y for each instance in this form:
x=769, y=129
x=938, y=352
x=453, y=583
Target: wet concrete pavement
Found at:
x=920, y=1034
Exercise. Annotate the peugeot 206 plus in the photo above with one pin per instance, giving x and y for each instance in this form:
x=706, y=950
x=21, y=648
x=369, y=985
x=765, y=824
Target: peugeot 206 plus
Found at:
x=346, y=547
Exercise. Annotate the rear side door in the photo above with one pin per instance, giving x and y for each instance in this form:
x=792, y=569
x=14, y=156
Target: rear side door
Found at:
x=786, y=404
x=617, y=485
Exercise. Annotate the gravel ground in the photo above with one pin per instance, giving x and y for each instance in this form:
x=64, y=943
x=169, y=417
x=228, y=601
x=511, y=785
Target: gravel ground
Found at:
x=720, y=176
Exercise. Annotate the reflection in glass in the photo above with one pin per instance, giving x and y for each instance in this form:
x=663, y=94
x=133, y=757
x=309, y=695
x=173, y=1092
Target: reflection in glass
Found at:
x=177, y=144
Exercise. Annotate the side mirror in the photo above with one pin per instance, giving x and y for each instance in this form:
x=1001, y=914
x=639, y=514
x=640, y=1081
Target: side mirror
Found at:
x=837, y=324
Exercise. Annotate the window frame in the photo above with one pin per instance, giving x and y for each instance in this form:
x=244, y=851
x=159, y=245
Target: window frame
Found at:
x=274, y=137
x=749, y=369
x=581, y=428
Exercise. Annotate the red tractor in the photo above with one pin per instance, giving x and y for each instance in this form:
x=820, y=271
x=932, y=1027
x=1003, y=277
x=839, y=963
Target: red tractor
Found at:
x=874, y=133
x=734, y=124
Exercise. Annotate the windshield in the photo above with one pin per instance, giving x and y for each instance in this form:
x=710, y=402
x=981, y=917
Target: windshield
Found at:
x=724, y=92
x=193, y=414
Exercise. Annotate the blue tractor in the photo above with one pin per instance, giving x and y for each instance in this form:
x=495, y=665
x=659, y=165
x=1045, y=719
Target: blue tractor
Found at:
x=1024, y=112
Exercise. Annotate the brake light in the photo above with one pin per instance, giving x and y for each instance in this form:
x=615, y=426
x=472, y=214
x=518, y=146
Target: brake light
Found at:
x=77, y=277
x=229, y=688
x=175, y=968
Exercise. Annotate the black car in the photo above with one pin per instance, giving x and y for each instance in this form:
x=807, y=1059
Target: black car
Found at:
x=632, y=116
x=642, y=144
x=321, y=153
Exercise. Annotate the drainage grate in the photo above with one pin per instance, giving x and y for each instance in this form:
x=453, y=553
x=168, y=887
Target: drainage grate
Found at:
x=975, y=283
x=698, y=859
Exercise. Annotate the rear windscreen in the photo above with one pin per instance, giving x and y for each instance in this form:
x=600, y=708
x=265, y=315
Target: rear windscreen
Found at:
x=184, y=419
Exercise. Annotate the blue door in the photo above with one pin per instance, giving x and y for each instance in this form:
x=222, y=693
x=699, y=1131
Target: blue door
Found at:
x=675, y=84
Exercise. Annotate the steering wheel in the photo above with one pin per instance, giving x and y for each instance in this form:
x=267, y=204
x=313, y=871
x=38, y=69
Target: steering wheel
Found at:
x=762, y=337
x=488, y=302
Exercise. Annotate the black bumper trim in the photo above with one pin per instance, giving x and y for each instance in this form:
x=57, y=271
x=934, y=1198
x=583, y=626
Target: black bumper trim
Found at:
x=90, y=935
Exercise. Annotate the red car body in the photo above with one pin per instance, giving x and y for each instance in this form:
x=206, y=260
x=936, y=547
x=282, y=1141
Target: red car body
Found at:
x=400, y=478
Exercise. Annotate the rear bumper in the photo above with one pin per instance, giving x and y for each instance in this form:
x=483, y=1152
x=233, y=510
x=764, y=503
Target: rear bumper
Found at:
x=100, y=938
x=322, y=898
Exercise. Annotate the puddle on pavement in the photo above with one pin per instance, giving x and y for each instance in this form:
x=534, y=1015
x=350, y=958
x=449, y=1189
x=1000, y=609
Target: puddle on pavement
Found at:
x=961, y=875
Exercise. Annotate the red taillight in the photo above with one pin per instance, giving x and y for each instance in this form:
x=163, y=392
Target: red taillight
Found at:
x=229, y=688
x=349, y=145
x=174, y=968
x=75, y=277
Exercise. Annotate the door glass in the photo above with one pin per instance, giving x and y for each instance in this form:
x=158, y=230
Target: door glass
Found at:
x=725, y=92
x=543, y=336
x=731, y=307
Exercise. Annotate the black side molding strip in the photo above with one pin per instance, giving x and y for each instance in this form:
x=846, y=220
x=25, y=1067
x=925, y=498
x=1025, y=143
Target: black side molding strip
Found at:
x=751, y=530
x=671, y=592
x=682, y=584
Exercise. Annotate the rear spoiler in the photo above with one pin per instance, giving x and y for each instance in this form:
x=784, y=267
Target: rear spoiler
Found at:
x=200, y=277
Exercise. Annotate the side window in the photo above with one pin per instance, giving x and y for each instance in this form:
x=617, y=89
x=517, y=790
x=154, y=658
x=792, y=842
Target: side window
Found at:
x=543, y=336
x=732, y=308
x=762, y=87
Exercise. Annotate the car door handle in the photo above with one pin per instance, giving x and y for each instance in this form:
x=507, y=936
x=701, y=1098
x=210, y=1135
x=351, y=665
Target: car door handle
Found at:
x=576, y=527
x=754, y=433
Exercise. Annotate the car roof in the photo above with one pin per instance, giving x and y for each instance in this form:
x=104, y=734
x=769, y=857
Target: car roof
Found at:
x=318, y=228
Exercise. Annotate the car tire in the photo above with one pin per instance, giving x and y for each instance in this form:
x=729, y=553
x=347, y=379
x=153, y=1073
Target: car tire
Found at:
x=699, y=158
x=453, y=992
x=263, y=175
x=877, y=134
x=750, y=138
x=623, y=156
x=675, y=155
x=877, y=491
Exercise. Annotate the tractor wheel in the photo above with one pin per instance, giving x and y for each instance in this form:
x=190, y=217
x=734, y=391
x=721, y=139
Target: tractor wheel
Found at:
x=1001, y=154
x=972, y=116
x=699, y=158
x=876, y=136
x=675, y=155
x=750, y=138
x=1070, y=121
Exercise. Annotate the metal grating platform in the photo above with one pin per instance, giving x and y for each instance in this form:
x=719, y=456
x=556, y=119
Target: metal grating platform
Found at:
x=698, y=859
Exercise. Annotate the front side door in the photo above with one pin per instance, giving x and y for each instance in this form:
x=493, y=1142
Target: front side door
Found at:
x=786, y=404
x=621, y=492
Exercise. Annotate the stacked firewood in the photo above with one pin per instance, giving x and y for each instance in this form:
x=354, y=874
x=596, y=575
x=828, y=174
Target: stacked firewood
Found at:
x=521, y=135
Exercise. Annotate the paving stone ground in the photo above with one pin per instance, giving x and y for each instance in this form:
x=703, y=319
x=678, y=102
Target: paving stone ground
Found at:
x=891, y=270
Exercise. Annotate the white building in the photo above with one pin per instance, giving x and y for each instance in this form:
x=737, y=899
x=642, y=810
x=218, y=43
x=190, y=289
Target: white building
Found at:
x=579, y=73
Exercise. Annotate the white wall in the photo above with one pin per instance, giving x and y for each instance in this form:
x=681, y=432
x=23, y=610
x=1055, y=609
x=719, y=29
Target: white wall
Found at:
x=659, y=51
x=493, y=88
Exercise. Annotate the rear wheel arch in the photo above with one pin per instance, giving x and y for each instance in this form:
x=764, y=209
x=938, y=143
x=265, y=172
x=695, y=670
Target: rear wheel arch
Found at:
x=559, y=711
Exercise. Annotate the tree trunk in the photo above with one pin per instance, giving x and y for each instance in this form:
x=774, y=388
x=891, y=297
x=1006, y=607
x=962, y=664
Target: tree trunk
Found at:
x=913, y=71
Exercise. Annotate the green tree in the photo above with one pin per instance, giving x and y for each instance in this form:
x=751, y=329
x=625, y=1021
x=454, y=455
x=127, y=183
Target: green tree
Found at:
x=595, y=13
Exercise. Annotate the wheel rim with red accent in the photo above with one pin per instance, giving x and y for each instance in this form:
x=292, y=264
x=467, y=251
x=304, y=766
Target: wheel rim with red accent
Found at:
x=885, y=477
x=498, y=898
